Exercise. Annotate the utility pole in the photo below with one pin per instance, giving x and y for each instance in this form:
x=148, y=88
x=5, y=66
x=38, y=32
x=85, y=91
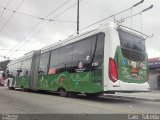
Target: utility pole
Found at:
x=78, y=17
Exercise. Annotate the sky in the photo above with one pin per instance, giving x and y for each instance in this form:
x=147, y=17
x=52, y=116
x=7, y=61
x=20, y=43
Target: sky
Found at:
x=20, y=34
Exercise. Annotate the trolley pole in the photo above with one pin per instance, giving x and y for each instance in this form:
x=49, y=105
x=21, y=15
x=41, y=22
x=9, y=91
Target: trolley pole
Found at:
x=78, y=17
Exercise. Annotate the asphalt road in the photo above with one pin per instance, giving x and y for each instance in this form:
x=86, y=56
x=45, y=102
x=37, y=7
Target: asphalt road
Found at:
x=18, y=102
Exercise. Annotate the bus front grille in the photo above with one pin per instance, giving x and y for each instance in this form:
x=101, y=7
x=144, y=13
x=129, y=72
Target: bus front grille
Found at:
x=132, y=54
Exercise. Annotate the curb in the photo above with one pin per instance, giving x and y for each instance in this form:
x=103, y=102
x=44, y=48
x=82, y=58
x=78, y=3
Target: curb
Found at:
x=133, y=98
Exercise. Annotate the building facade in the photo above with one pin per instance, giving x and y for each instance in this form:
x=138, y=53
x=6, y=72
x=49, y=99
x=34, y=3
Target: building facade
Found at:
x=154, y=73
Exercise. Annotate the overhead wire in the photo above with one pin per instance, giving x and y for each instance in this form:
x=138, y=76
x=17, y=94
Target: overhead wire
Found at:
x=5, y=8
x=138, y=12
x=113, y=16
x=57, y=9
x=47, y=24
x=141, y=22
x=38, y=25
x=2, y=56
x=15, y=50
x=37, y=17
x=89, y=25
x=10, y=17
x=86, y=26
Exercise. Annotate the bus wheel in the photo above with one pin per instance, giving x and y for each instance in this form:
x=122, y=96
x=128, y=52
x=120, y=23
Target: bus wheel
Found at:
x=92, y=94
x=11, y=88
x=24, y=89
x=72, y=94
x=62, y=92
x=8, y=85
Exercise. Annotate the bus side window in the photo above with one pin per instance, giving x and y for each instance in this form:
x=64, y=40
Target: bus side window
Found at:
x=54, y=61
x=99, y=52
x=44, y=61
x=26, y=67
x=82, y=53
x=66, y=55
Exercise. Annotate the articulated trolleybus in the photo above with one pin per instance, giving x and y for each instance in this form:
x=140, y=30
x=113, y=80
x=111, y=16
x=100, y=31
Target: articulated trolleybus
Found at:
x=109, y=59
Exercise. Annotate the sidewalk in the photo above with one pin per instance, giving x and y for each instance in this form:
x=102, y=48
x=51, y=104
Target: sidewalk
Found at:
x=146, y=96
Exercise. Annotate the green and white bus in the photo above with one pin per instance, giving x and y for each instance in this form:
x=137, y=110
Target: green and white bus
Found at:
x=109, y=59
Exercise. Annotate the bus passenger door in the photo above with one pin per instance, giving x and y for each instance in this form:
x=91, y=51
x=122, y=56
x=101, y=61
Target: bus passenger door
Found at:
x=34, y=70
x=44, y=81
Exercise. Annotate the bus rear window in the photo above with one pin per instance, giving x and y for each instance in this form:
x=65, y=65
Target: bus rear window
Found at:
x=132, y=45
x=132, y=41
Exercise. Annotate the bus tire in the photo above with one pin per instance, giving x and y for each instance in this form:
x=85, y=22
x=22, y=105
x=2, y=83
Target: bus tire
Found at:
x=24, y=89
x=62, y=92
x=72, y=94
x=8, y=85
x=92, y=95
x=11, y=88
